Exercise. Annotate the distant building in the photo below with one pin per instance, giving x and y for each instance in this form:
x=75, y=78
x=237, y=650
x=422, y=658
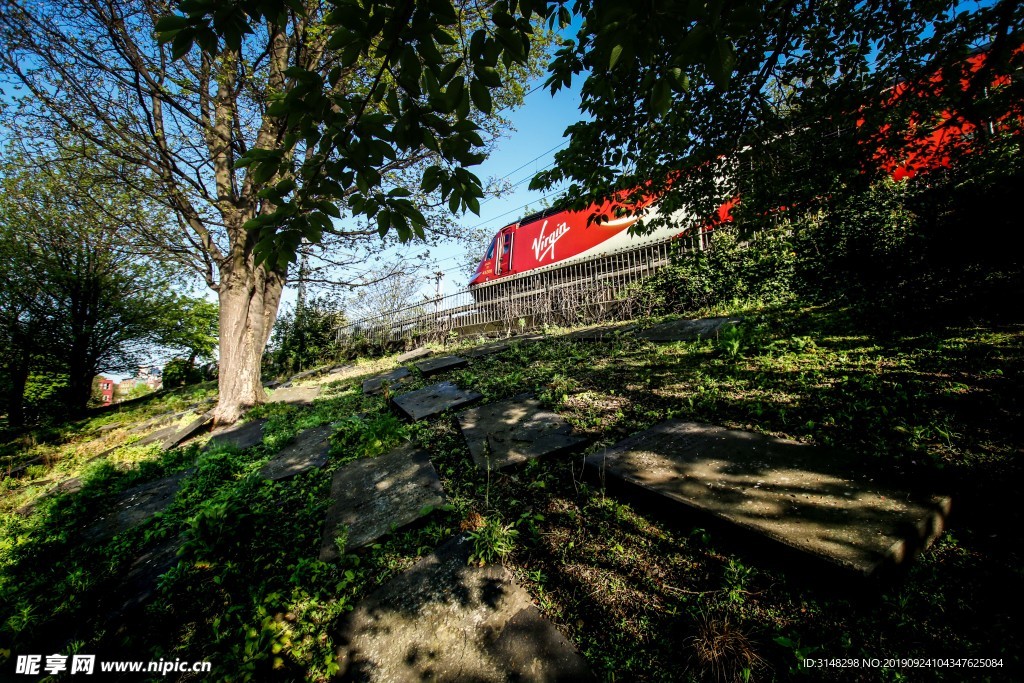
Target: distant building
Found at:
x=106, y=388
x=150, y=375
x=125, y=386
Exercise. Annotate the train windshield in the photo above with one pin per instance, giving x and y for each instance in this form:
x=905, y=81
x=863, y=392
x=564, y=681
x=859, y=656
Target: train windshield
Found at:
x=490, y=250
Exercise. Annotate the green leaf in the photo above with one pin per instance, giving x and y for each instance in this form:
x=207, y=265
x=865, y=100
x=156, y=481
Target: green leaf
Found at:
x=661, y=97
x=481, y=95
x=616, y=54
x=167, y=27
x=181, y=44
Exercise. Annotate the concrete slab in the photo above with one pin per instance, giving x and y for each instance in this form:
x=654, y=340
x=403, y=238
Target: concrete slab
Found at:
x=134, y=506
x=373, y=496
x=309, y=450
x=442, y=364
x=446, y=621
x=240, y=435
x=159, y=435
x=808, y=498
x=511, y=432
x=600, y=333
x=140, y=583
x=392, y=379
x=433, y=400
x=158, y=420
x=499, y=346
x=295, y=395
x=687, y=330
x=193, y=428
x=72, y=485
x=421, y=352
x=308, y=373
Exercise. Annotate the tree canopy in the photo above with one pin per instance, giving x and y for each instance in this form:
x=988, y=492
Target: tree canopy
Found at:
x=303, y=123
x=77, y=299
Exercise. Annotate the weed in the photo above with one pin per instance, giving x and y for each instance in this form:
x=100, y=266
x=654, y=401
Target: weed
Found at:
x=730, y=340
x=492, y=541
x=722, y=651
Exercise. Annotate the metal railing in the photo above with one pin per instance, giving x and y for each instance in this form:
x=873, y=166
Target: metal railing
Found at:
x=592, y=290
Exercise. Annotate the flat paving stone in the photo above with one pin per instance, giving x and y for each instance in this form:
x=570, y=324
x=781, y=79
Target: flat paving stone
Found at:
x=421, y=352
x=686, y=330
x=444, y=620
x=437, y=365
x=600, y=333
x=159, y=435
x=499, y=346
x=511, y=432
x=308, y=451
x=433, y=400
x=140, y=583
x=373, y=496
x=308, y=373
x=158, y=420
x=241, y=436
x=134, y=506
x=806, y=497
x=193, y=428
x=392, y=379
x=295, y=395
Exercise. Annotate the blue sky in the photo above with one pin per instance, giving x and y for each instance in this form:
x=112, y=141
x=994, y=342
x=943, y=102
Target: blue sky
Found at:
x=537, y=134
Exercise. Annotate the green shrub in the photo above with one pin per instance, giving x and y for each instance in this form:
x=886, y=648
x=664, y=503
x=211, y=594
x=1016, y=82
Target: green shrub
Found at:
x=729, y=269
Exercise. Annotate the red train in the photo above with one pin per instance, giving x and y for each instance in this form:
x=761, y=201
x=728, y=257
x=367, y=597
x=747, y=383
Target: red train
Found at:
x=562, y=237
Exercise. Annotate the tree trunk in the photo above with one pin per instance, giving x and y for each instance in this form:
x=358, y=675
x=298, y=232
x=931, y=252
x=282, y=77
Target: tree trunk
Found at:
x=248, y=308
x=18, y=372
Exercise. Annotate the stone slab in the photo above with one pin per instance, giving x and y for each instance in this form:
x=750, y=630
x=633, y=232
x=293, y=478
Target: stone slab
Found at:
x=421, y=352
x=687, y=330
x=392, y=379
x=134, y=506
x=159, y=420
x=295, y=395
x=444, y=620
x=313, y=372
x=140, y=583
x=600, y=333
x=373, y=496
x=159, y=435
x=809, y=498
x=309, y=450
x=193, y=428
x=433, y=400
x=109, y=427
x=240, y=435
x=499, y=346
x=442, y=364
x=72, y=485
x=511, y=432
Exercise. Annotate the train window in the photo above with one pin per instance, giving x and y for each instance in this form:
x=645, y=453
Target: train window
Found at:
x=508, y=243
x=490, y=250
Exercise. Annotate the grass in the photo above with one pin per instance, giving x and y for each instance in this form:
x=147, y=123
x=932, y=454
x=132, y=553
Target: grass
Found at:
x=642, y=597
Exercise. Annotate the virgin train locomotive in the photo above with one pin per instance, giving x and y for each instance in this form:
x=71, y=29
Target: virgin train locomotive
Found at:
x=563, y=237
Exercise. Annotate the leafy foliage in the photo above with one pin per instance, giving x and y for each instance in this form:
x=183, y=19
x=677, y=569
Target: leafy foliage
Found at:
x=305, y=337
x=77, y=300
x=428, y=83
x=778, y=102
